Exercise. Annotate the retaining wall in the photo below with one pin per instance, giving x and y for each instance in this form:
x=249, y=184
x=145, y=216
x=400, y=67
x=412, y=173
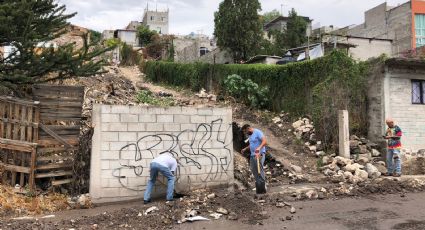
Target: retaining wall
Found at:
x=127, y=138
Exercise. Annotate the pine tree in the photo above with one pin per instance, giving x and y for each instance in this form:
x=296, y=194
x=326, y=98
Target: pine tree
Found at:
x=295, y=33
x=27, y=24
x=238, y=27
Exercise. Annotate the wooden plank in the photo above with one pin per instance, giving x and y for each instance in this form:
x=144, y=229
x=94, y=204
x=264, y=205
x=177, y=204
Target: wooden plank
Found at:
x=54, y=166
x=16, y=127
x=18, y=122
x=22, y=176
x=14, y=174
x=43, y=150
x=54, y=135
x=54, y=174
x=9, y=125
x=60, y=182
x=54, y=142
x=18, y=101
x=36, y=120
x=60, y=104
x=30, y=112
x=2, y=115
x=53, y=158
x=15, y=168
x=23, y=119
x=49, y=88
x=32, y=171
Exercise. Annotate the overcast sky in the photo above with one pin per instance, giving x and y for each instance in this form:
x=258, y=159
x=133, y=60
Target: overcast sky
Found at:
x=198, y=15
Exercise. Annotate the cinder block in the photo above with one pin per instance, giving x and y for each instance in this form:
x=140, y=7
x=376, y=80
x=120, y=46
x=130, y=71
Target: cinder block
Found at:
x=106, y=109
x=110, y=192
x=109, y=136
x=155, y=127
x=189, y=111
x=105, y=146
x=110, y=155
x=219, y=111
x=172, y=110
x=164, y=118
x=117, y=127
x=136, y=191
x=110, y=117
x=107, y=174
x=117, y=164
x=191, y=127
x=116, y=146
x=129, y=118
x=128, y=136
x=155, y=110
x=138, y=110
x=171, y=127
x=117, y=182
x=181, y=119
x=147, y=118
x=104, y=164
x=104, y=183
x=197, y=119
x=137, y=127
x=120, y=109
x=205, y=111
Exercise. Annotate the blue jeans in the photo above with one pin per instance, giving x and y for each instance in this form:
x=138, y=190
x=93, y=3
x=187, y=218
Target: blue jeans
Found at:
x=393, y=161
x=165, y=171
x=259, y=177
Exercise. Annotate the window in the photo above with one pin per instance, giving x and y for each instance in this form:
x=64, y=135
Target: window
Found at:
x=420, y=29
x=418, y=92
x=152, y=18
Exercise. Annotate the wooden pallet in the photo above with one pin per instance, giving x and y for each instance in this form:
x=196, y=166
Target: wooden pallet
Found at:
x=33, y=131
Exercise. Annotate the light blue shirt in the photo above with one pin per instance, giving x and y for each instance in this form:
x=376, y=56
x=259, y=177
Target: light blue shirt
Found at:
x=255, y=141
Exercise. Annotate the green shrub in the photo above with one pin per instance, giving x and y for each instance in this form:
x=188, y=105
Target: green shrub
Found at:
x=247, y=91
x=147, y=97
x=129, y=56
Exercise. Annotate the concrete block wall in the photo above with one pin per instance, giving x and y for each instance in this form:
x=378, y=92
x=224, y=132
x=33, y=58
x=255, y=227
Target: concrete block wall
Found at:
x=127, y=138
x=410, y=117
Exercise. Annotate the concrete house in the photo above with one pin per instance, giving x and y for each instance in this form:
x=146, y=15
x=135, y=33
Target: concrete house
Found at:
x=397, y=90
x=404, y=24
x=156, y=20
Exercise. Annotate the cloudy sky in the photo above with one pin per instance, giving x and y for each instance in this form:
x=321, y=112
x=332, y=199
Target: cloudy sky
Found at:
x=198, y=15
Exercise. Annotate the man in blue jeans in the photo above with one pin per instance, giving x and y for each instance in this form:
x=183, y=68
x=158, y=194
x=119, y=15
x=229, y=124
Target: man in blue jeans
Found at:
x=166, y=164
x=257, y=147
x=393, y=135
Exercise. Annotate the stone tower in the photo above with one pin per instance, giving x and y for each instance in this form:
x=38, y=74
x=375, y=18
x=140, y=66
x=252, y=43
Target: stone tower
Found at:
x=156, y=20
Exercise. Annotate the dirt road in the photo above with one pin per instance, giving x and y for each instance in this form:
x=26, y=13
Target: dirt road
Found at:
x=371, y=213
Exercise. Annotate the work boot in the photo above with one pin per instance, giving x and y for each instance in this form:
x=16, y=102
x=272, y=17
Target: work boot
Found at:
x=397, y=175
x=387, y=174
x=146, y=201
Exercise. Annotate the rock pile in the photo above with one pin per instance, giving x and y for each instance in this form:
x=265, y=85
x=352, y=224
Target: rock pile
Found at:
x=304, y=130
x=363, y=148
x=340, y=169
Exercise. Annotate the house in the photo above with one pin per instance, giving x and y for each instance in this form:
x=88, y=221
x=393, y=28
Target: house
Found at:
x=404, y=24
x=191, y=47
x=397, y=90
x=156, y=20
x=127, y=36
x=280, y=23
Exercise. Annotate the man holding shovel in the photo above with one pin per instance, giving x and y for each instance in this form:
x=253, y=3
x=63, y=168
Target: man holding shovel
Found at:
x=257, y=146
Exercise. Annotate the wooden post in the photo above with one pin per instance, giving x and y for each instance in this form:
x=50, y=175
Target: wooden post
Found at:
x=344, y=134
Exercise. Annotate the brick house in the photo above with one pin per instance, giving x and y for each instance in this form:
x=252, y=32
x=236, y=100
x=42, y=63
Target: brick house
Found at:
x=397, y=90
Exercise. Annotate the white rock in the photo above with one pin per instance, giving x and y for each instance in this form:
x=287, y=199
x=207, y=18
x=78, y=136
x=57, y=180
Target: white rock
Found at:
x=216, y=216
x=313, y=148
x=372, y=171
x=353, y=167
x=297, y=124
x=151, y=209
x=320, y=153
x=211, y=196
x=342, y=161
x=222, y=211
x=296, y=169
x=375, y=153
x=312, y=194
x=362, y=174
x=348, y=175
x=293, y=210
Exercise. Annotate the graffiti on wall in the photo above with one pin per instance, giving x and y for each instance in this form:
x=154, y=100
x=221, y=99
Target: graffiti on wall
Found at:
x=194, y=149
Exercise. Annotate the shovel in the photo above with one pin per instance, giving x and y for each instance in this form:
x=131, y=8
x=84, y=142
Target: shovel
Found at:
x=261, y=184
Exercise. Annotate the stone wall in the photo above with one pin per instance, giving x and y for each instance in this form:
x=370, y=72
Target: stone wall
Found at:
x=126, y=139
x=410, y=117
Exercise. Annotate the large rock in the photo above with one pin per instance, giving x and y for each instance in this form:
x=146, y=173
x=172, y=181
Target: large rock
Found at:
x=326, y=160
x=372, y=171
x=296, y=169
x=352, y=168
x=363, y=160
x=354, y=144
x=381, y=168
x=297, y=124
x=375, y=153
x=363, y=149
x=348, y=175
x=341, y=161
x=362, y=174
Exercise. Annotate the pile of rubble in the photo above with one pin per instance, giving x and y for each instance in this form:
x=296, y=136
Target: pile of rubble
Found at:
x=341, y=169
x=304, y=130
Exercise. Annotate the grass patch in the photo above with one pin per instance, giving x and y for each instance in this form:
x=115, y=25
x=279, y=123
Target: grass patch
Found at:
x=147, y=97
